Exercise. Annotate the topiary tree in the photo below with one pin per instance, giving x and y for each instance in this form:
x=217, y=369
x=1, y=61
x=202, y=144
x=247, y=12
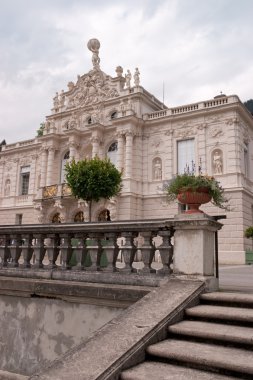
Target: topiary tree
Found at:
x=93, y=179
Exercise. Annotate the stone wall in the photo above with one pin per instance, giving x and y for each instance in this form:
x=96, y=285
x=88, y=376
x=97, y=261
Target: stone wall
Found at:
x=35, y=331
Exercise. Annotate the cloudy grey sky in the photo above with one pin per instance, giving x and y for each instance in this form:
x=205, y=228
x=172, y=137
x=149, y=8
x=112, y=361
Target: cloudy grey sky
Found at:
x=196, y=47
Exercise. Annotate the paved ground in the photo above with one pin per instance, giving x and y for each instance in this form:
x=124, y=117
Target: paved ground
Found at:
x=237, y=277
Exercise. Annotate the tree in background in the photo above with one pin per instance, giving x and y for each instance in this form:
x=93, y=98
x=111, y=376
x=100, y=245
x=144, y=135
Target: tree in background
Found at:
x=93, y=179
x=249, y=105
x=40, y=130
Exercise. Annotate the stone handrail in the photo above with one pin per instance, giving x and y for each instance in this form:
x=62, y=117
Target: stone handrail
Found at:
x=52, y=247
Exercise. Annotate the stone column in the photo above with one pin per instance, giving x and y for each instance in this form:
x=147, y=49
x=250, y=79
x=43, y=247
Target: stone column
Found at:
x=129, y=152
x=95, y=146
x=120, y=163
x=72, y=150
x=50, y=165
x=194, y=245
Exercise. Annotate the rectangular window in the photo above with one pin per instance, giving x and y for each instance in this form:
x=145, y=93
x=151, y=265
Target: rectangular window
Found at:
x=185, y=155
x=24, y=180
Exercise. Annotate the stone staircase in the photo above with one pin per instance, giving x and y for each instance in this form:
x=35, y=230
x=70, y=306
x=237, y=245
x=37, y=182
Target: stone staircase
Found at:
x=214, y=341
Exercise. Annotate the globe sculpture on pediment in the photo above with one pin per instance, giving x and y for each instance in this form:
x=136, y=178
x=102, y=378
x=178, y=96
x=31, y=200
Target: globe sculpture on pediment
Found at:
x=94, y=45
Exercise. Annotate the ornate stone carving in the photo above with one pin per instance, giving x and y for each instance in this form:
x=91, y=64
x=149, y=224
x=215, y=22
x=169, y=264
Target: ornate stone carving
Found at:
x=58, y=204
x=156, y=143
x=93, y=87
x=50, y=191
x=170, y=132
x=183, y=133
x=216, y=131
x=213, y=119
x=66, y=190
x=217, y=161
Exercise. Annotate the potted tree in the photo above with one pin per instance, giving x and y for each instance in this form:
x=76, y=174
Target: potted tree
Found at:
x=194, y=190
x=93, y=179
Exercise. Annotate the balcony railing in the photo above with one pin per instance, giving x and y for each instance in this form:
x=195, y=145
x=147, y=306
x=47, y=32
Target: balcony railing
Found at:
x=89, y=247
x=62, y=190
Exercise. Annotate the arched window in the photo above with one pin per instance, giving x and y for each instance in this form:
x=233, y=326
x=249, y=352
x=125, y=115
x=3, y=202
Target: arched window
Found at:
x=56, y=218
x=89, y=121
x=112, y=153
x=104, y=216
x=79, y=217
x=63, y=163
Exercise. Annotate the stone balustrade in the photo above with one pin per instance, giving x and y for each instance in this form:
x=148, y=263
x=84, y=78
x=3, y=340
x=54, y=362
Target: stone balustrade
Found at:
x=192, y=107
x=99, y=251
x=88, y=246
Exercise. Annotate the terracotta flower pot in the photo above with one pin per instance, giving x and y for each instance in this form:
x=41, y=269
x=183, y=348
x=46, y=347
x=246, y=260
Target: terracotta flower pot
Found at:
x=194, y=199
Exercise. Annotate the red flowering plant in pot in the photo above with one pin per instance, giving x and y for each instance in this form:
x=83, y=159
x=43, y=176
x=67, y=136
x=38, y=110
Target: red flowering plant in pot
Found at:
x=194, y=190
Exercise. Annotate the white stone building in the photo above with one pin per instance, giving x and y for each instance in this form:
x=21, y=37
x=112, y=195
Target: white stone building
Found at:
x=116, y=117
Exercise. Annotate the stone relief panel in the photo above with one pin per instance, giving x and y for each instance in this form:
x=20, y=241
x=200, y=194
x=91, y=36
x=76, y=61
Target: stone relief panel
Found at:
x=217, y=161
x=157, y=169
x=185, y=132
x=215, y=131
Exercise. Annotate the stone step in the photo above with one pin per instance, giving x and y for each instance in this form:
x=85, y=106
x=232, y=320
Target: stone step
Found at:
x=231, y=298
x=215, y=331
x=227, y=313
x=4, y=375
x=164, y=371
x=202, y=354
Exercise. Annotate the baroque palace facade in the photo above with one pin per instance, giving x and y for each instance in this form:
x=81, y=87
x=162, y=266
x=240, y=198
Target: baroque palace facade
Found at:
x=116, y=117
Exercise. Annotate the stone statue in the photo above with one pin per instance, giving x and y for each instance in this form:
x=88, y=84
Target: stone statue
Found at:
x=128, y=78
x=56, y=101
x=119, y=71
x=217, y=162
x=7, y=188
x=62, y=98
x=157, y=170
x=93, y=46
x=137, y=77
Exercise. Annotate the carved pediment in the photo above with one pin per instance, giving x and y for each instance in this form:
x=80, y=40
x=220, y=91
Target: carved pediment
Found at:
x=91, y=88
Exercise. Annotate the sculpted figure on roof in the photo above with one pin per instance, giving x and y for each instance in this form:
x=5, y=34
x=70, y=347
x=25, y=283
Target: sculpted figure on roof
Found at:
x=93, y=87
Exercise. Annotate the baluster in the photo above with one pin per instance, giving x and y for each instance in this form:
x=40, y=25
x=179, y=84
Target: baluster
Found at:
x=146, y=251
x=94, y=249
x=53, y=250
x=27, y=250
x=66, y=250
x=39, y=250
x=109, y=247
x=128, y=251
x=15, y=249
x=152, y=252
x=80, y=252
x=4, y=250
x=166, y=251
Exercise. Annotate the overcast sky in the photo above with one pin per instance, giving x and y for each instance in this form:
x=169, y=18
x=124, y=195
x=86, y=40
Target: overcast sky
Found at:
x=196, y=47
